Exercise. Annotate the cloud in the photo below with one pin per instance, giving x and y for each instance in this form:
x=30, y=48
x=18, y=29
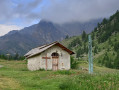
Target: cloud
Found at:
x=23, y=10
x=62, y=11
x=58, y=11
x=16, y=13
x=6, y=28
x=5, y=9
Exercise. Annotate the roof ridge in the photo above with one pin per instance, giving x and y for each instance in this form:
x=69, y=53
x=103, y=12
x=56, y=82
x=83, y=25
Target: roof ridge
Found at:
x=42, y=46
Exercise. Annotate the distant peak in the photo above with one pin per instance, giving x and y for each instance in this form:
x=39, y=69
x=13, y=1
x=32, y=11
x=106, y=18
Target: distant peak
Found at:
x=45, y=21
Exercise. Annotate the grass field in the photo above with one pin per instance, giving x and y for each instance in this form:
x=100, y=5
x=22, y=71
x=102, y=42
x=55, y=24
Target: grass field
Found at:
x=15, y=76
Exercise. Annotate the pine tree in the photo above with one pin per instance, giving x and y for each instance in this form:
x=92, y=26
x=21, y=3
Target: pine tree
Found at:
x=16, y=57
x=95, y=50
x=110, y=42
x=104, y=21
x=93, y=35
x=83, y=35
x=116, y=46
x=74, y=63
x=116, y=61
x=67, y=36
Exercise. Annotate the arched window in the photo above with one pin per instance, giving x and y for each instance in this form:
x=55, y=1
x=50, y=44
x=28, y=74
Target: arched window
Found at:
x=55, y=54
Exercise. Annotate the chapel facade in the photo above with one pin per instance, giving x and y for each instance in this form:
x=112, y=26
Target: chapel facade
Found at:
x=53, y=56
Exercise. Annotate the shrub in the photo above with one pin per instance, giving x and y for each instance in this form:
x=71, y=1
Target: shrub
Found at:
x=41, y=69
x=74, y=63
x=64, y=72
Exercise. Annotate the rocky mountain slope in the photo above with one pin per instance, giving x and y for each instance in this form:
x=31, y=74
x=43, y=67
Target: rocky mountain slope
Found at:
x=41, y=33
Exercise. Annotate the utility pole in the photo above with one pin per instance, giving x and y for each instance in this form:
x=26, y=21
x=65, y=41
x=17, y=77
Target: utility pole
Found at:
x=90, y=57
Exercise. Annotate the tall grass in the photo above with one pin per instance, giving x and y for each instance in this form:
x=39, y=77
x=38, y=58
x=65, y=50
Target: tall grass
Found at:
x=91, y=82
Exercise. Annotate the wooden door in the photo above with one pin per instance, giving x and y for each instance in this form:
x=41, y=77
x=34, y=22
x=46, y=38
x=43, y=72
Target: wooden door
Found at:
x=54, y=63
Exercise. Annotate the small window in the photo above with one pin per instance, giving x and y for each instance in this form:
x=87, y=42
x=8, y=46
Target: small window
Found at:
x=55, y=54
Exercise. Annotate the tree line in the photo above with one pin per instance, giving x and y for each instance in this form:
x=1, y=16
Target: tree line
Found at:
x=11, y=57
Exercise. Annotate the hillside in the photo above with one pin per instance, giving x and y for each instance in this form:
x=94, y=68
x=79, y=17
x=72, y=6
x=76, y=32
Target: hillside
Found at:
x=44, y=32
x=105, y=43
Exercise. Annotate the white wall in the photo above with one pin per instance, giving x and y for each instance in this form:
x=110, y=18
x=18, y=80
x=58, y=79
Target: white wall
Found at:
x=36, y=62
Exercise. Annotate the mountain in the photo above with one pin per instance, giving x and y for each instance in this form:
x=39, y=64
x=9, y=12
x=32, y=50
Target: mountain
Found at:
x=44, y=32
x=105, y=43
x=76, y=28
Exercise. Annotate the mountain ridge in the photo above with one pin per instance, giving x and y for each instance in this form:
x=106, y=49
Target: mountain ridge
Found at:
x=35, y=35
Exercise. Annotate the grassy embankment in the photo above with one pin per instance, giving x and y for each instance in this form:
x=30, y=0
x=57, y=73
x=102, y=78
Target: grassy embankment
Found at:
x=104, y=47
x=15, y=76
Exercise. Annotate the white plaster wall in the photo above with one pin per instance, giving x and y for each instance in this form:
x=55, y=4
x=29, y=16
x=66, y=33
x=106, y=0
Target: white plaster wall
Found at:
x=37, y=62
x=34, y=63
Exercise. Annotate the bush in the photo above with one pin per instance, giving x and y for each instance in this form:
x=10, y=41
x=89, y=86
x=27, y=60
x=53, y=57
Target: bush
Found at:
x=64, y=72
x=74, y=63
x=41, y=69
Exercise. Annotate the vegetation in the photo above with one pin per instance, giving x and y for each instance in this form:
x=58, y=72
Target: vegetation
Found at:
x=91, y=82
x=74, y=63
x=15, y=76
x=105, y=43
x=12, y=57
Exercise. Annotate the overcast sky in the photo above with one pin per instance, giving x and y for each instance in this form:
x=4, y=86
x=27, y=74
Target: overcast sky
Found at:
x=16, y=14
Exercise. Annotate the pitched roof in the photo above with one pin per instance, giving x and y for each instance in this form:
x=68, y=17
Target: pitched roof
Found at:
x=42, y=48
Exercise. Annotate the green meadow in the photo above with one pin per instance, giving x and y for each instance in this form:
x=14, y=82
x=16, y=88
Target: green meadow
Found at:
x=15, y=76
